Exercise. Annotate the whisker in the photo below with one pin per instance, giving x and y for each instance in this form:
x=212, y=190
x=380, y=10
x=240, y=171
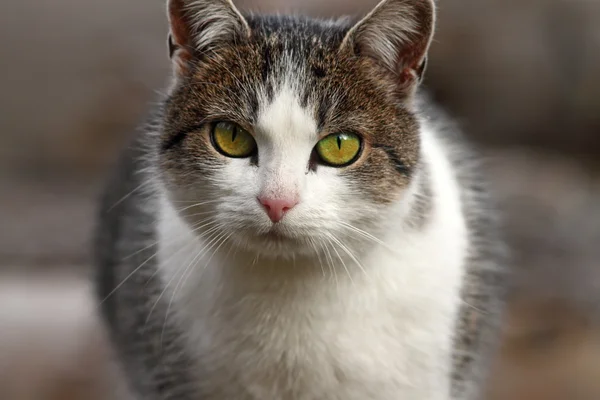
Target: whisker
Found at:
x=222, y=242
x=350, y=254
x=214, y=232
x=229, y=250
x=140, y=250
x=165, y=289
x=317, y=252
x=184, y=201
x=484, y=312
x=202, y=224
x=215, y=239
x=198, y=204
x=122, y=199
x=127, y=278
x=330, y=264
x=366, y=235
x=329, y=238
x=198, y=214
x=207, y=224
x=168, y=283
x=172, y=240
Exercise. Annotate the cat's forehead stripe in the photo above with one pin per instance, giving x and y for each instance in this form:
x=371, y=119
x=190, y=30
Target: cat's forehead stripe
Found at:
x=283, y=115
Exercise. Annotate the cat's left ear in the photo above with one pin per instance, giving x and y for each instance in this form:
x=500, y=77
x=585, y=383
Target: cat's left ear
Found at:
x=197, y=26
x=397, y=35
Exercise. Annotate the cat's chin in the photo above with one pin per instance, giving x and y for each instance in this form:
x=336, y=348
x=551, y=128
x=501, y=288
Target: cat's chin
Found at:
x=274, y=243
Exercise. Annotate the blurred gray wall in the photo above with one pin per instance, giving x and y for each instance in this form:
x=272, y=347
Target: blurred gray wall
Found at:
x=76, y=75
x=522, y=72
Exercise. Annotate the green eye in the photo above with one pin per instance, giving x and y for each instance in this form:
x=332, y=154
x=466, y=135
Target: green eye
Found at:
x=339, y=149
x=232, y=140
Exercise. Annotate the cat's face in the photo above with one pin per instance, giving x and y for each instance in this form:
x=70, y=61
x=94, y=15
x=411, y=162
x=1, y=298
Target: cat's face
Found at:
x=285, y=140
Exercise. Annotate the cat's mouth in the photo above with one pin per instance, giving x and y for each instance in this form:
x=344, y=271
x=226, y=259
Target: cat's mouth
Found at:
x=277, y=241
x=277, y=234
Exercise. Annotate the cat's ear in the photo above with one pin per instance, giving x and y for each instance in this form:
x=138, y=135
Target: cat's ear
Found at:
x=397, y=34
x=196, y=26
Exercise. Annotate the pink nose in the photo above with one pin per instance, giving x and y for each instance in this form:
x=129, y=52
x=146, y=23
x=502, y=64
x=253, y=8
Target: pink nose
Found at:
x=276, y=208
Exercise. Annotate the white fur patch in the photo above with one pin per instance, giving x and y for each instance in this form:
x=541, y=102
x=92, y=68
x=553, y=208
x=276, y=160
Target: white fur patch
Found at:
x=286, y=134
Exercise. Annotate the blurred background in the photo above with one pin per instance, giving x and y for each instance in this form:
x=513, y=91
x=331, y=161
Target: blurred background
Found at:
x=521, y=77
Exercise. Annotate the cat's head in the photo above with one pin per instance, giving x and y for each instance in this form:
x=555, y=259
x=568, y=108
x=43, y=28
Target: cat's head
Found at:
x=284, y=133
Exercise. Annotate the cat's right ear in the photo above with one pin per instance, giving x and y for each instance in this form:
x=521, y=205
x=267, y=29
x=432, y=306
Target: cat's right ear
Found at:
x=397, y=35
x=198, y=26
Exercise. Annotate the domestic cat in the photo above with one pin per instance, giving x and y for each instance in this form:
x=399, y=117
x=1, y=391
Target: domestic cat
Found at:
x=297, y=222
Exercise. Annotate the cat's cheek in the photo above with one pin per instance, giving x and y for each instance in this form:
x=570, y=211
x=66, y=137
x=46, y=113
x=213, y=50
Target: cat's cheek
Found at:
x=324, y=197
x=380, y=186
x=236, y=181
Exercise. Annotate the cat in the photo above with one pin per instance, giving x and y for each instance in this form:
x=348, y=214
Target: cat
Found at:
x=297, y=221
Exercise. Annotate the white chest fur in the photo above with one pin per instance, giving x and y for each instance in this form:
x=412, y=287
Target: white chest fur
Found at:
x=260, y=332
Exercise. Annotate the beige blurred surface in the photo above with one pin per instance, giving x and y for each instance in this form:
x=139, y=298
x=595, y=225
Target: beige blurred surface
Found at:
x=551, y=338
x=78, y=75
x=51, y=346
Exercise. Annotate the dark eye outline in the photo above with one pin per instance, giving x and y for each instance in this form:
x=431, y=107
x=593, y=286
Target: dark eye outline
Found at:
x=351, y=161
x=220, y=150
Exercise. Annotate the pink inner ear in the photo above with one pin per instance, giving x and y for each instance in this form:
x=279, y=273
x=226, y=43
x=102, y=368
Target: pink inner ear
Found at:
x=179, y=26
x=411, y=59
x=181, y=35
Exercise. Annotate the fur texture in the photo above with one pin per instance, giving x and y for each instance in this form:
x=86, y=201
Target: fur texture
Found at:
x=382, y=282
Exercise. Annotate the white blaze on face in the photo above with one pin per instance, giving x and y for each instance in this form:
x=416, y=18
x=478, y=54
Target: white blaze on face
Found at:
x=286, y=134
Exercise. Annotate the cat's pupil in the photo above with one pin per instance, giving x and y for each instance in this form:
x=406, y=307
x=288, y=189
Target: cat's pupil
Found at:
x=233, y=134
x=339, y=142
